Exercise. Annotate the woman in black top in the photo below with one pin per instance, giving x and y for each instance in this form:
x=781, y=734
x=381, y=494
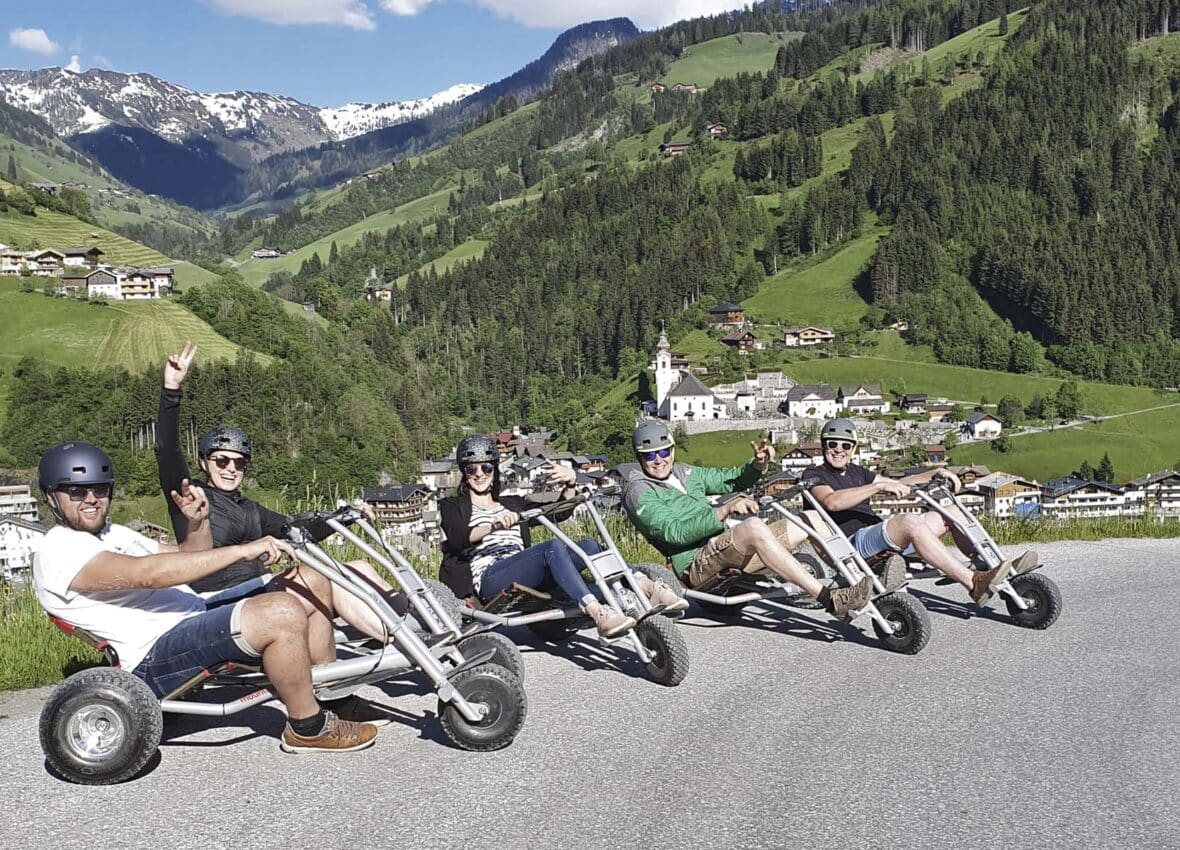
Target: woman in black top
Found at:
x=488, y=548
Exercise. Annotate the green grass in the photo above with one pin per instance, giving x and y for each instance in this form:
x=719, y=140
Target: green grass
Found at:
x=821, y=294
x=1137, y=444
x=966, y=384
x=256, y=272
x=1163, y=51
x=32, y=651
x=726, y=57
x=697, y=343
x=68, y=332
x=50, y=229
x=468, y=250
x=719, y=448
x=838, y=144
x=984, y=38
x=891, y=346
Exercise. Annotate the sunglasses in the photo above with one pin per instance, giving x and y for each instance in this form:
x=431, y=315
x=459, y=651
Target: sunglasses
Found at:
x=650, y=456
x=472, y=468
x=77, y=492
x=222, y=462
x=839, y=445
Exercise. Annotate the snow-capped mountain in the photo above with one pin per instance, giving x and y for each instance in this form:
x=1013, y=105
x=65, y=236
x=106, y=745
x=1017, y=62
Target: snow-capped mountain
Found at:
x=353, y=119
x=262, y=124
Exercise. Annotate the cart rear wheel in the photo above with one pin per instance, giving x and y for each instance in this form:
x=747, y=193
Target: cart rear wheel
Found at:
x=501, y=694
x=807, y=556
x=100, y=726
x=910, y=622
x=447, y=600
x=660, y=573
x=1042, y=598
x=506, y=653
x=660, y=637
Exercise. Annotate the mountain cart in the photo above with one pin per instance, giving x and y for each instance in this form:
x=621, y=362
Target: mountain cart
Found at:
x=899, y=621
x=102, y=725
x=655, y=638
x=1033, y=599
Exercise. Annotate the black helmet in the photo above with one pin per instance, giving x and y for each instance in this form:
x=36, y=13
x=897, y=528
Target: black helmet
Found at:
x=839, y=429
x=72, y=463
x=651, y=436
x=223, y=438
x=478, y=448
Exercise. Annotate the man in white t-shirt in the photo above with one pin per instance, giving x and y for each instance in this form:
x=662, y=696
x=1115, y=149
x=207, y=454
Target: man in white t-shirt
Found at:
x=132, y=591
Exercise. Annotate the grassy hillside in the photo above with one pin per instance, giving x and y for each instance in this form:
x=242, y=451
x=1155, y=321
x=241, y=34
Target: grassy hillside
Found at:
x=256, y=272
x=822, y=294
x=1137, y=444
x=726, y=57
x=136, y=335
x=469, y=250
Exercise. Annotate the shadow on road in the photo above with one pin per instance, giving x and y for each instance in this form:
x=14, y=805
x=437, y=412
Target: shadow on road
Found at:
x=963, y=610
x=784, y=620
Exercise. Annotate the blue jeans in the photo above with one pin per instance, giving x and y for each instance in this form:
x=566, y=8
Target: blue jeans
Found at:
x=547, y=566
x=872, y=540
x=201, y=641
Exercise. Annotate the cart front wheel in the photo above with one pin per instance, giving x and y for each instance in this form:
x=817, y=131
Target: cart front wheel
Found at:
x=502, y=696
x=100, y=726
x=909, y=620
x=664, y=641
x=1042, y=600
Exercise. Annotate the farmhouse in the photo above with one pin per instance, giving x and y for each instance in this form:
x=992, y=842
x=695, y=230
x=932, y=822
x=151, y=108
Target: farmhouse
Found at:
x=813, y=401
x=862, y=399
x=939, y=410
x=685, y=87
x=801, y=456
x=82, y=256
x=798, y=337
x=45, y=262
x=717, y=130
x=658, y=87
x=11, y=262
x=727, y=315
x=743, y=341
x=674, y=148
x=378, y=293
x=983, y=426
x=266, y=253
x=97, y=283
x=913, y=402
x=438, y=474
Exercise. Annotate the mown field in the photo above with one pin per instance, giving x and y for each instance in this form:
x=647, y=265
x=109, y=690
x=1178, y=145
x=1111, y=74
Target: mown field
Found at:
x=256, y=272
x=68, y=332
x=1137, y=444
x=822, y=294
x=50, y=229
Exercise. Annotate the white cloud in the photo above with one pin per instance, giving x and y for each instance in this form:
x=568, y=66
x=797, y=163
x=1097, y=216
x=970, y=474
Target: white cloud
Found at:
x=405, y=7
x=345, y=13
x=35, y=40
x=646, y=14
x=101, y=61
x=74, y=65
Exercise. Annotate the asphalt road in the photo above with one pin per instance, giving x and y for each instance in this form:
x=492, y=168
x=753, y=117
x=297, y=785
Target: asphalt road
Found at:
x=789, y=729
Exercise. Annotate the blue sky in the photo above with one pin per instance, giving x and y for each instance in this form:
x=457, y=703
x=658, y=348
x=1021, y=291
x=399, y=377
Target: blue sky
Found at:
x=323, y=52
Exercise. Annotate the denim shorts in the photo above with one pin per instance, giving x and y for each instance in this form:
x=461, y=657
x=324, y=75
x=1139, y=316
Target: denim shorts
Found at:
x=201, y=641
x=872, y=540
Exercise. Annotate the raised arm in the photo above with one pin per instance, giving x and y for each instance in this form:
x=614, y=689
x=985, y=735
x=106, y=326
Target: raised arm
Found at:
x=169, y=459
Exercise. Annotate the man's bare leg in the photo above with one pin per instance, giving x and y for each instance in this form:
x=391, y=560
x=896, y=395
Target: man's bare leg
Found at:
x=773, y=553
x=924, y=532
x=275, y=624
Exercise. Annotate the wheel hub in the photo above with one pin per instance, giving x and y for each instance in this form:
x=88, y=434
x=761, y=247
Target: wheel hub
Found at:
x=94, y=732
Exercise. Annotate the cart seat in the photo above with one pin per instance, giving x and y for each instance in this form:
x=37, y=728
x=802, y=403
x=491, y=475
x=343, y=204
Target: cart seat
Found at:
x=721, y=583
x=89, y=638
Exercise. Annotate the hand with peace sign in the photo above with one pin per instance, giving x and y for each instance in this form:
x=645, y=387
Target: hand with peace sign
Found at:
x=176, y=367
x=763, y=454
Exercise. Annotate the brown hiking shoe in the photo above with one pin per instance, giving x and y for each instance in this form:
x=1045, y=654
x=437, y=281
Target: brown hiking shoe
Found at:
x=846, y=601
x=1027, y=562
x=984, y=582
x=339, y=736
x=661, y=594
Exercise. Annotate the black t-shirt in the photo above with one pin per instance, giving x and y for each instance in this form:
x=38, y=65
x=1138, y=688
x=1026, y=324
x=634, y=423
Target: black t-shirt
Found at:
x=859, y=515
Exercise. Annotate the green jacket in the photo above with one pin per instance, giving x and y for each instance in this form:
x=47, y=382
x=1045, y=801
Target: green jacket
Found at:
x=679, y=523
